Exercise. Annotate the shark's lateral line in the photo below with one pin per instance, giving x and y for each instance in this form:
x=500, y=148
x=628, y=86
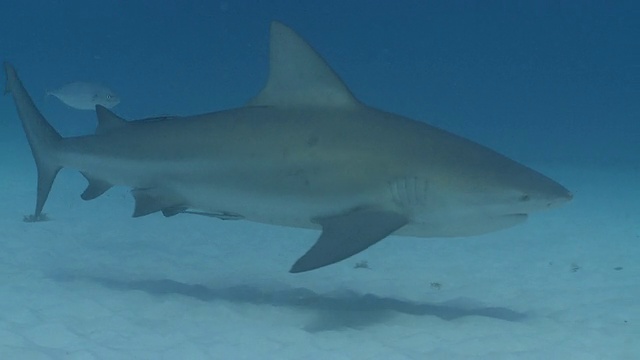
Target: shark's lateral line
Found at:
x=303, y=153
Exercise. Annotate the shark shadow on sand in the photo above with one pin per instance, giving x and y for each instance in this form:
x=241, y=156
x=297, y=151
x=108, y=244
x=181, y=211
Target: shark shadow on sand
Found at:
x=333, y=311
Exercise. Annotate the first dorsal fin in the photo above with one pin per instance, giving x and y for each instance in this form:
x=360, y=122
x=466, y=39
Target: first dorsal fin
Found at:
x=298, y=76
x=107, y=120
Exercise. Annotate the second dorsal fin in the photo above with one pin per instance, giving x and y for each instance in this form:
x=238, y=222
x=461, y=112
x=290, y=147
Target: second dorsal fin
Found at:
x=107, y=120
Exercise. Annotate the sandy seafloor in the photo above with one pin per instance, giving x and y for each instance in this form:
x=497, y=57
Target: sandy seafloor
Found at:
x=94, y=283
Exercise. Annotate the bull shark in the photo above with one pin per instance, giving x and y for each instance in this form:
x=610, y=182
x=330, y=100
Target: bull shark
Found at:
x=303, y=153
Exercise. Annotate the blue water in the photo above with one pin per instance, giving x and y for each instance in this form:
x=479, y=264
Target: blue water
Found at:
x=542, y=81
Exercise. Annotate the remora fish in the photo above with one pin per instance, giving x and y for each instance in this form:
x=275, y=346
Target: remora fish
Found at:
x=85, y=96
x=303, y=153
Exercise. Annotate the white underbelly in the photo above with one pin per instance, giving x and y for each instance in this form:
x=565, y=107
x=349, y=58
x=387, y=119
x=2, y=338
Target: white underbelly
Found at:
x=272, y=208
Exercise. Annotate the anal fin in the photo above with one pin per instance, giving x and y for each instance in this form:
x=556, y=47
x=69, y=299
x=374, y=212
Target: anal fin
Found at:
x=151, y=200
x=173, y=211
x=348, y=234
x=95, y=188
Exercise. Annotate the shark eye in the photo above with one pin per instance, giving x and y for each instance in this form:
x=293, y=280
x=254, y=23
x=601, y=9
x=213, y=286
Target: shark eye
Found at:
x=525, y=198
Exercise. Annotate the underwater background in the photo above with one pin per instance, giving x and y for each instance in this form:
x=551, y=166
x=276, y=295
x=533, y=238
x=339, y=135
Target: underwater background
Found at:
x=552, y=84
x=546, y=80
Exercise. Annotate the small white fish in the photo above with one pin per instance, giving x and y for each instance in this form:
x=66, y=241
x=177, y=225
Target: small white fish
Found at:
x=85, y=96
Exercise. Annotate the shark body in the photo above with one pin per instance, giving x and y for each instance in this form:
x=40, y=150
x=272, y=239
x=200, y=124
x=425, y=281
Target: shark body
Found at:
x=303, y=153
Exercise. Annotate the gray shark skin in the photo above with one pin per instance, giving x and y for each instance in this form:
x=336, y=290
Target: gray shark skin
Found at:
x=303, y=153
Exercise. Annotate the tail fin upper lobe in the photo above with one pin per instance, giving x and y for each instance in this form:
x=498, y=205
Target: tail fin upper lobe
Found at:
x=43, y=138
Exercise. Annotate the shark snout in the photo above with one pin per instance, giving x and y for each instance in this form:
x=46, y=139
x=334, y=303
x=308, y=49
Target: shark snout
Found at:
x=560, y=197
x=546, y=195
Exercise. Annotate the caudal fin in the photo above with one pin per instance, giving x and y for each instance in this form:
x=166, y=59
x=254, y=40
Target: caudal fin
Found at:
x=43, y=138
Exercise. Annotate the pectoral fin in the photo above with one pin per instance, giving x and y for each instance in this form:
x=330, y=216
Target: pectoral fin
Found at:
x=348, y=234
